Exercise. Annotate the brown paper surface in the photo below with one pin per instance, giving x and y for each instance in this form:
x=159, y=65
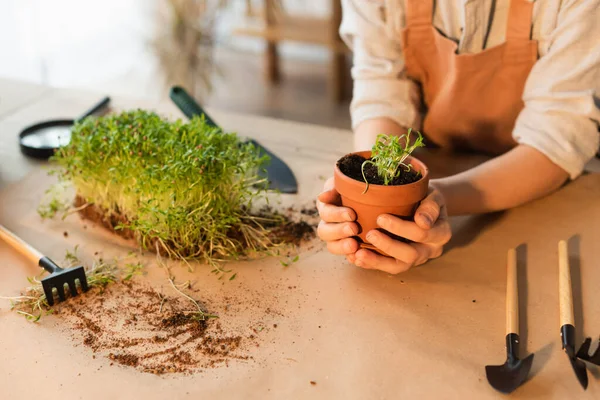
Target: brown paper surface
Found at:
x=16, y=94
x=358, y=334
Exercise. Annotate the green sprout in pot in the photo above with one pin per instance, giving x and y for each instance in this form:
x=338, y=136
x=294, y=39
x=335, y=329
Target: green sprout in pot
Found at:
x=182, y=189
x=389, y=154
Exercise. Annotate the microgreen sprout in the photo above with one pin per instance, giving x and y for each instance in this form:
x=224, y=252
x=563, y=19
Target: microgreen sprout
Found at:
x=183, y=189
x=389, y=154
x=199, y=314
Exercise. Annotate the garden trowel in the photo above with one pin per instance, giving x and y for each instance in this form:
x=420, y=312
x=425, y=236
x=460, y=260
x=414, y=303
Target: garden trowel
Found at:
x=279, y=176
x=513, y=373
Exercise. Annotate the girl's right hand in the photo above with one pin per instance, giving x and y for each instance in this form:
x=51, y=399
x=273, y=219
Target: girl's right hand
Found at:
x=337, y=226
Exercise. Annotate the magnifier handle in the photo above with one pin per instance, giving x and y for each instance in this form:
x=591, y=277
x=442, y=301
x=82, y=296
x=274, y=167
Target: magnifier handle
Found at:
x=99, y=106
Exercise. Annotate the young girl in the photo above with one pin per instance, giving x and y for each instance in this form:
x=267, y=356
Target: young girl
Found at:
x=516, y=79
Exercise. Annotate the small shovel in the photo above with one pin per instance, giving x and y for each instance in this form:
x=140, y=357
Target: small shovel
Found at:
x=567, y=327
x=58, y=277
x=510, y=375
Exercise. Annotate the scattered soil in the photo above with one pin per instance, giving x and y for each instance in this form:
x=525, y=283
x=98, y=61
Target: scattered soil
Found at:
x=132, y=324
x=351, y=165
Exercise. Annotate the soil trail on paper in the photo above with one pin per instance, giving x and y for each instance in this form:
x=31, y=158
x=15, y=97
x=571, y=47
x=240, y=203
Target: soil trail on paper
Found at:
x=135, y=325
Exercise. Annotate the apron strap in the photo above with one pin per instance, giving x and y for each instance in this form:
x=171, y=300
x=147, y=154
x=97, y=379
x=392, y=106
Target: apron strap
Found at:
x=419, y=12
x=520, y=17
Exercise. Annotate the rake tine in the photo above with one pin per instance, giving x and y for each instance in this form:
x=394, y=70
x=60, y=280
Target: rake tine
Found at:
x=49, y=294
x=61, y=292
x=584, y=352
x=73, y=288
x=82, y=279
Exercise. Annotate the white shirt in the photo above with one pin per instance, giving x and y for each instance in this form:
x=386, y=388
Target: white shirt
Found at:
x=562, y=92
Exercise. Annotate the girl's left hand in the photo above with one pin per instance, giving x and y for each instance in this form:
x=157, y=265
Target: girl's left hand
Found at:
x=429, y=233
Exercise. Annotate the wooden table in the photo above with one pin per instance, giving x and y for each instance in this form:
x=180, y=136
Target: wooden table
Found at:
x=358, y=334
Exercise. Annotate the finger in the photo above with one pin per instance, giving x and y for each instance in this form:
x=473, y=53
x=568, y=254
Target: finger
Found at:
x=332, y=213
x=428, y=211
x=440, y=233
x=370, y=260
x=351, y=258
x=403, y=252
x=330, y=196
x=343, y=247
x=329, y=184
x=329, y=232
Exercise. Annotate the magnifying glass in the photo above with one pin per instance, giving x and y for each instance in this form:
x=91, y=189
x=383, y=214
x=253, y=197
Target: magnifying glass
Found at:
x=43, y=139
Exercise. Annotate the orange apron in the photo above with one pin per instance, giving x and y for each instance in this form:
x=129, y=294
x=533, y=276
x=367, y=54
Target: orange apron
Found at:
x=472, y=100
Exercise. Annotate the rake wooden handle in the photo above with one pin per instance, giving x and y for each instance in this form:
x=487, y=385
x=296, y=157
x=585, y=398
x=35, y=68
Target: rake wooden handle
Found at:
x=512, y=294
x=18, y=244
x=564, y=285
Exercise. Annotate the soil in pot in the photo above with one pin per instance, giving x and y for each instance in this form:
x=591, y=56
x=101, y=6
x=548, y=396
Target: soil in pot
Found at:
x=351, y=165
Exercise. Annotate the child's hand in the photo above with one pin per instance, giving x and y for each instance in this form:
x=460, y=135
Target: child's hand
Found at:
x=336, y=226
x=430, y=232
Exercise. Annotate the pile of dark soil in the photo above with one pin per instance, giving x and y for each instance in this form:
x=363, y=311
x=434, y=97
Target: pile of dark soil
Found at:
x=134, y=325
x=351, y=166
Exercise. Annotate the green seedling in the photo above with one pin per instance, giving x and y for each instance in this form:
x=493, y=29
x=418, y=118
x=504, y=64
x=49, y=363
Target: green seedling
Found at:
x=289, y=261
x=199, y=314
x=184, y=189
x=389, y=155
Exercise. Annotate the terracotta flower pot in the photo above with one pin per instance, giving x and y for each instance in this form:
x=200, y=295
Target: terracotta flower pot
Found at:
x=399, y=200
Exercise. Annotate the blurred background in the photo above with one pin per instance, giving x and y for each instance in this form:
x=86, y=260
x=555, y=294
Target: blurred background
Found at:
x=276, y=58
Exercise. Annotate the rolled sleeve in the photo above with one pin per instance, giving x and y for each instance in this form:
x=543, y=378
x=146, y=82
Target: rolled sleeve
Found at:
x=381, y=88
x=561, y=113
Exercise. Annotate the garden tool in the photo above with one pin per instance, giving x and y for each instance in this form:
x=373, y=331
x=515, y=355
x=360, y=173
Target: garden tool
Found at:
x=277, y=173
x=58, y=277
x=510, y=375
x=567, y=328
x=584, y=352
x=44, y=138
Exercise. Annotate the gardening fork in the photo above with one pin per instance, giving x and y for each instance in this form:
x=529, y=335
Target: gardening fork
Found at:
x=584, y=352
x=58, y=277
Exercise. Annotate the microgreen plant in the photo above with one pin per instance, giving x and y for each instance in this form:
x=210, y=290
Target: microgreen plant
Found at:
x=389, y=155
x=183, y=189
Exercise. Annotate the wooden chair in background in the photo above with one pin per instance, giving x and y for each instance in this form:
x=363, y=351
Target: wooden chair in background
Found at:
x=270, y=22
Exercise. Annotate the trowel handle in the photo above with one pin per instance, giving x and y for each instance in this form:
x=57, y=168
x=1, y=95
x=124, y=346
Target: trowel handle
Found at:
x=565, y=292
x=512, y=294
x=19, y=245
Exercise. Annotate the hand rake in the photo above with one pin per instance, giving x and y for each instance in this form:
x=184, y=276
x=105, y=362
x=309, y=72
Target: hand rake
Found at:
x=58, y=277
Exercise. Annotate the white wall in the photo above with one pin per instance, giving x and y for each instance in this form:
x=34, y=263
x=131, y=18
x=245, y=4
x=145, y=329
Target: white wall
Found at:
x=88, y=43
